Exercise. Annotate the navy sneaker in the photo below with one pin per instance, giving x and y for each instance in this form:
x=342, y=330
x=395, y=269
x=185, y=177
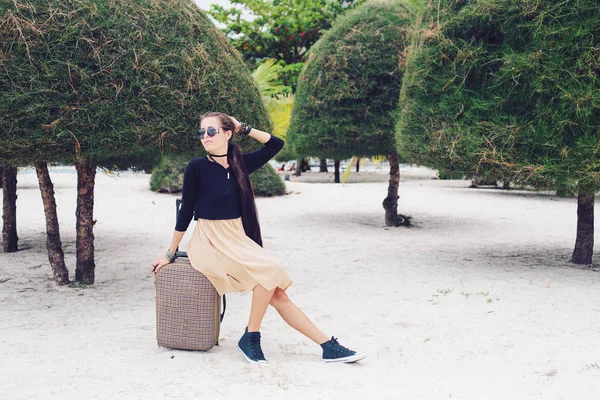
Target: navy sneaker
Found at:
x=249, y=346
x=335, y=352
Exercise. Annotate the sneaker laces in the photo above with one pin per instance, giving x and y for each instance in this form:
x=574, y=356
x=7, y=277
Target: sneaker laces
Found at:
x=254, y=341
x=338, y=348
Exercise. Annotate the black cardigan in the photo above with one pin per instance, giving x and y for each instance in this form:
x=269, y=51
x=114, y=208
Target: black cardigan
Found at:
x=210, y=190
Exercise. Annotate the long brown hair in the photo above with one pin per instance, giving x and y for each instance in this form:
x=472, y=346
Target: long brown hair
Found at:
x=238, y=168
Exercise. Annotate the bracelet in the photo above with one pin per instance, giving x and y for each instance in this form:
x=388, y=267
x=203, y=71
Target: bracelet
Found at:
x=243, y=129
x=170, y=255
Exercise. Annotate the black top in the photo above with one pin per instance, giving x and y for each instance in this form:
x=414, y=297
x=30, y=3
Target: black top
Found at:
x=210, y=190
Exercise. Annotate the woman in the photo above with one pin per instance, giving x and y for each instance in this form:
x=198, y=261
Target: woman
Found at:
x=226, y=245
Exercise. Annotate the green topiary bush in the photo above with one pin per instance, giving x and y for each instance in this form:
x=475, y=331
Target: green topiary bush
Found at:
x=266, y=182
x=115, y=83
x=350, y=85
x=167, y=176
x=505, y=89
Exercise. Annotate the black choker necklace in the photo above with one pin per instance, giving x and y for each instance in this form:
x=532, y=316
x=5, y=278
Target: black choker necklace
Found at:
x=214, y=155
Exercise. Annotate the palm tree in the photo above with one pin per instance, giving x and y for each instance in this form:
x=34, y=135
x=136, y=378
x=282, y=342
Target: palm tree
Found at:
x=278, y=100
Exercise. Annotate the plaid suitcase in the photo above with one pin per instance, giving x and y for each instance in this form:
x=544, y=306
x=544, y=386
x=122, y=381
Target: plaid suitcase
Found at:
x=188, y=308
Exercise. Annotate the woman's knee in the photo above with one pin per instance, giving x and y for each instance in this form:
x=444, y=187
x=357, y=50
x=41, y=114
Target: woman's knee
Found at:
x=279, y=298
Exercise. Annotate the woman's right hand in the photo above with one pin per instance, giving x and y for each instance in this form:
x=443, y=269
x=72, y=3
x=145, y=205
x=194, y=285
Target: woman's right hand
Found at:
x=159, y=263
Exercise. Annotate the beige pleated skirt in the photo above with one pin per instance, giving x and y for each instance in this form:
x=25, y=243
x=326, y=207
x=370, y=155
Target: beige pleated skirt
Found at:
x=231, y=260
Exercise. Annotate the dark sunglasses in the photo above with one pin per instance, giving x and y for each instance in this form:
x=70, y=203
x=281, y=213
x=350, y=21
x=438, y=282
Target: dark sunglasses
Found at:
x=210, y=131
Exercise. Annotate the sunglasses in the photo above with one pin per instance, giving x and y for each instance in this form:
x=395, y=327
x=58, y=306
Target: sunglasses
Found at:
x=210, y=131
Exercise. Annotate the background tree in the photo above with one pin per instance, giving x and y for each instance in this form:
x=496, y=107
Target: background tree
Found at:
x=283, y=30
x=113, y=85
x=509, y=88
x=349, y=89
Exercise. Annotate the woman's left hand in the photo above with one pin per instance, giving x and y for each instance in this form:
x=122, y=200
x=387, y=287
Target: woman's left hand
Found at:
x=236, y=123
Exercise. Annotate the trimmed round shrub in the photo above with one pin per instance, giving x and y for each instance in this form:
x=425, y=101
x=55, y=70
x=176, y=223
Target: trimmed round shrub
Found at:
x=351, y=84
x=115, y=83
x=505, y=90
x=167, y=176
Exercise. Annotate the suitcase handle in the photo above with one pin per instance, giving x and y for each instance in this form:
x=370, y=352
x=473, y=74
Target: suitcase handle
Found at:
x=177, y=206
x=224, y=307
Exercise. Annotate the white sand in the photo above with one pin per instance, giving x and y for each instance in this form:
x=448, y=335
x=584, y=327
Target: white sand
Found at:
x=478, y=301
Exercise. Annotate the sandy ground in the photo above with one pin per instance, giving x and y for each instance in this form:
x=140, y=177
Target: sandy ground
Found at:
x=477, y=301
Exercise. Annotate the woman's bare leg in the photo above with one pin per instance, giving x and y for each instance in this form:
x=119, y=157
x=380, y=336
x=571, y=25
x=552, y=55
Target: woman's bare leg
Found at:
x=295, y=317
x=261, y=298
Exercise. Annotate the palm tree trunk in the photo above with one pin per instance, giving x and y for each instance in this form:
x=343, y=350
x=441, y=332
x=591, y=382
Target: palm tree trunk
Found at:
x=9, y=210
x=584, y=243
x=53, y=244
x=86, y=175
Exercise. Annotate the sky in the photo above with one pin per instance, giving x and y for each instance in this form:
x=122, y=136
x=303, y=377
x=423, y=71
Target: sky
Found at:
x=205, y=4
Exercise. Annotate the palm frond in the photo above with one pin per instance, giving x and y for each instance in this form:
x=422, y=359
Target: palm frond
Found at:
x=266, y=77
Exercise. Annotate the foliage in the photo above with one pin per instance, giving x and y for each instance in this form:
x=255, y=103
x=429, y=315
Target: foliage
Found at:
x=289, y=74
x=283, y=30
x=280, y=110
x=167, y=176
x=508, y=89
x=266, y=182
x=266, y=77
x=351, y=83
x=117, y=83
